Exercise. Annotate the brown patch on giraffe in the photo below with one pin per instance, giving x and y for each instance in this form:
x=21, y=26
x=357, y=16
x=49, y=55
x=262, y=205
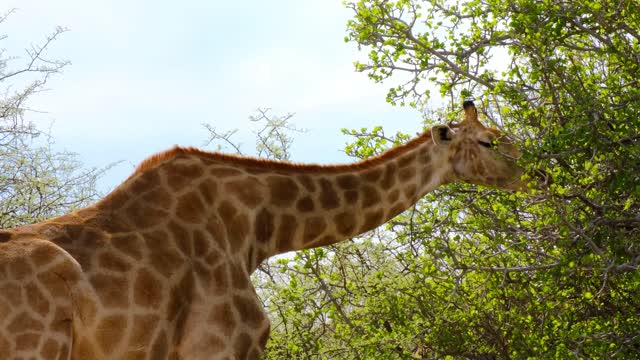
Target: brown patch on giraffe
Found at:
x=142, y=330
x=160, y=347
x=407, y=174
x=24, y=322
x=61, y=321
x=345, y=223
x=59, y=234
x=112, y=221
x=190, y=208
x=163, y=256
x=307, y=182
x=264, y=227
x=143, y=217
x=208, y=189
x=201, y=245
x=407, y=159
x=370, y=196
x=181, y=237
x=113, y=291
x=305, y=204
x=19, y=268
x=424, y=157
x=254, y=354
x=351, y=197
x=5, y=310
x=110, y=332
x=49, y=280
x=49, y=350
x=180, y=175
x=239, y=278
x=128, y=244
x=220, y=278
x=372, y=175
x=372, y=219
x=286, y=231
x=38, y=301
x=222, y=316
x=147, y=290
x=43, y=255
x=247, y=190
x=53, y=282
x=283, y=190
x=411, y=193
x=64, y=352
x=27, y=341
x=136, y=355
x=328, y=196
x=214, y=344
x=216, y=229
x=348, y=181
x=144, y=182
x=110, y=261
x=179, y=325
x=4, y=236
x=86, y=235
x=241, y=346
x=227, y=212
x=87, y=307
x=83, y=349
x=261, y=255
x=5, y=345
x=180, y=297
x=159, y=198
x=210, y=344
x=389, y=178
x=224, y=172
x=395, y=210
x=238, y=231
x=393, y=196
x=313, y=227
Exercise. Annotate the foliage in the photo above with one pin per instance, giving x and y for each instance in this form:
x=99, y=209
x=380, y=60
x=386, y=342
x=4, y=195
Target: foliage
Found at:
x=35, y=182
x=477, y=273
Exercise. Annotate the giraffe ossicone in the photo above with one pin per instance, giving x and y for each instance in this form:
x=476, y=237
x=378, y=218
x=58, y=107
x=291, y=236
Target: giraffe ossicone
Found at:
x=160, y=268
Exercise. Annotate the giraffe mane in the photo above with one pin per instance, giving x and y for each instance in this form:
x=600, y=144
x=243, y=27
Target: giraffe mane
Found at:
x=276, y=165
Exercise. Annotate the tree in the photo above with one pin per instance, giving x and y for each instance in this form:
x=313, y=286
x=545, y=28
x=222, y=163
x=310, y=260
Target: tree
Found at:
x=273, y=139
x=35, y=182
x=475, y=273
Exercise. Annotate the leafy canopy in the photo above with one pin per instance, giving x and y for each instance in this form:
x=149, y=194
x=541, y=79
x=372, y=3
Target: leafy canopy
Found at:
x=477, y=273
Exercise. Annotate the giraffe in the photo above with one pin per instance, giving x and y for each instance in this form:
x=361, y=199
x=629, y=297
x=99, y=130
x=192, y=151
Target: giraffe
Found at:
x=160, y=268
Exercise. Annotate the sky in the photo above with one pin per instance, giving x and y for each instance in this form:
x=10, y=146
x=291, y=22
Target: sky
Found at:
x=145, y=75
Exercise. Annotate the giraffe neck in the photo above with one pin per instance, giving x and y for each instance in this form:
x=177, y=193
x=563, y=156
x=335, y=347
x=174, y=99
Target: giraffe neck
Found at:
x=333, y=207
x=254, y=209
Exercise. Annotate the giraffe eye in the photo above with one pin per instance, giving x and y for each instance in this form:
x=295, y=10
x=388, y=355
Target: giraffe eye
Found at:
x=487, y=144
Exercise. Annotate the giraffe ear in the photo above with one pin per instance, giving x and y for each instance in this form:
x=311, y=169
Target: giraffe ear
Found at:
x=441, y=134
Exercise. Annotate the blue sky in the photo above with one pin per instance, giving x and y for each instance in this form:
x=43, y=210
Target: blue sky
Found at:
x=146, y=74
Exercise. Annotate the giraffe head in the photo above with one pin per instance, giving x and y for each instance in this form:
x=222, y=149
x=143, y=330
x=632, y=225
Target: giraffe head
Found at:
x=480, y=155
